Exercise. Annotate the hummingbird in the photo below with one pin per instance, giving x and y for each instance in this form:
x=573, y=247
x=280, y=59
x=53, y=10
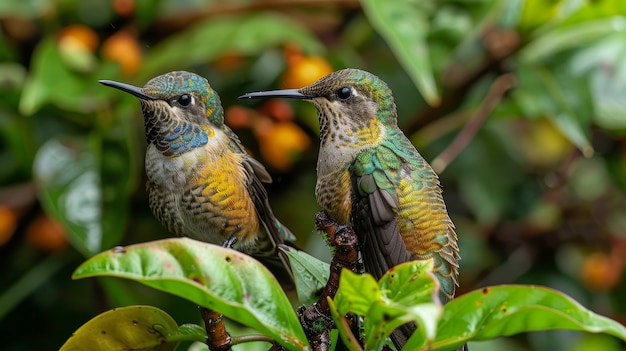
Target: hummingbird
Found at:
x=201, y=182
x=371, y=177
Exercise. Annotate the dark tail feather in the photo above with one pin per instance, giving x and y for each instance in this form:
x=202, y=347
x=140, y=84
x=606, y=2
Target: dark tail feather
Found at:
x=400, y=336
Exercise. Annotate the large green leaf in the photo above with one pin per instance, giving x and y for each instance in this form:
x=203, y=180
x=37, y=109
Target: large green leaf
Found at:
x=67, y=177
x=126, y=328
x=248, y=34
x=510, y=309
x=406, y=293
x=221, y=279
x=68, y=174
x=404, y=25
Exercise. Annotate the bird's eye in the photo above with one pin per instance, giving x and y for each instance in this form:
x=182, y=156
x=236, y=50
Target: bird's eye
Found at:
x=184, y=100
x=344, y=93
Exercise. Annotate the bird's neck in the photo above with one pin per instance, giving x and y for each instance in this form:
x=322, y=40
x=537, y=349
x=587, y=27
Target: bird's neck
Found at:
x=339, y=148
x=172, y=136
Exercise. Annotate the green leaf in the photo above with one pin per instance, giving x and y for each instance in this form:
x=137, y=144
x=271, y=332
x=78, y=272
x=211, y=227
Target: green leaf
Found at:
x=343, y=329
x=67, y=177
x=575, y=12
x=249, y=34
x=31, y=9
x=356, y=293
x=310, y=274
x=562, y=38
x=125, y=328
x=223, y=280
x=563, y=98
x=71, y=188
x=537, y=13
x=404, y=26
x=51, y=80
x=406, y=293
x=511, y=309
x=604, y=63
x=146, y=11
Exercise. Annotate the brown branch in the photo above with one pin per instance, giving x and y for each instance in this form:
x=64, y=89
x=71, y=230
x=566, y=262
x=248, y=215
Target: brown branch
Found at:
x=316, y=319
x=218, y=338
x=182, y=20
x=499, y=87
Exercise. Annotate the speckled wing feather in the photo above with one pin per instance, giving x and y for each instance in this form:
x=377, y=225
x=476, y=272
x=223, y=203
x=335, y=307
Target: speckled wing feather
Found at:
x=375, y=222
x=399, y=215
x=268, y=254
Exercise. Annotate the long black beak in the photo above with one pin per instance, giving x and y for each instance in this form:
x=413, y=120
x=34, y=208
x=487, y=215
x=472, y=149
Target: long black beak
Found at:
x=286, y=93
x=131, y=89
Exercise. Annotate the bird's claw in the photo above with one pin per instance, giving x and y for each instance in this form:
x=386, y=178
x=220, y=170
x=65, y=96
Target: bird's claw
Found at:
x=230, y=242
x=340, y=228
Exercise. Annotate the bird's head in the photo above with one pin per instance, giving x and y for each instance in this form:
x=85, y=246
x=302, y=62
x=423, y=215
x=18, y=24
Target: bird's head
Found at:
x=177, y=95
x=349, y=102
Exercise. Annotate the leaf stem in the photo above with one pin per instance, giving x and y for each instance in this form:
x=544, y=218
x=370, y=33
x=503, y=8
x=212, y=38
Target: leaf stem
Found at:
x=250, y=338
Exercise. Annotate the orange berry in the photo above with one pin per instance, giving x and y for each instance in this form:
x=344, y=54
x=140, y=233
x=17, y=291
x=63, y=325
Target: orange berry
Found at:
x=237, y=117
x=305, y=71
x=262, y=126
x=46, y=234
x=123, y=48
x=278, y=109
x=282, y=143
x=229, y=61
x=8, y=224
x=78, y=37
x=292, y=53
x=599, y=273
x=124, y=7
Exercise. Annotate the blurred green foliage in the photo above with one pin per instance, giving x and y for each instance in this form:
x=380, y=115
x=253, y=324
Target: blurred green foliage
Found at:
x=537, y=194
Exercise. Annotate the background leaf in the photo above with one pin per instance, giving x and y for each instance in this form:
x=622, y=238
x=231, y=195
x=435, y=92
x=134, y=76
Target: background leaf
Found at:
x=404, y=25
x=243, y=34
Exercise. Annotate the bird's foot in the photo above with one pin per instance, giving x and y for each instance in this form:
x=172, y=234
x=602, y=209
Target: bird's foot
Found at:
x=341, y=228
x=230, y=242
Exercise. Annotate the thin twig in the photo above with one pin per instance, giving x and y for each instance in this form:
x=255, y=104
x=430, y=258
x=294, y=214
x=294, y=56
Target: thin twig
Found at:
x=180, y=20
x=499, y=87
